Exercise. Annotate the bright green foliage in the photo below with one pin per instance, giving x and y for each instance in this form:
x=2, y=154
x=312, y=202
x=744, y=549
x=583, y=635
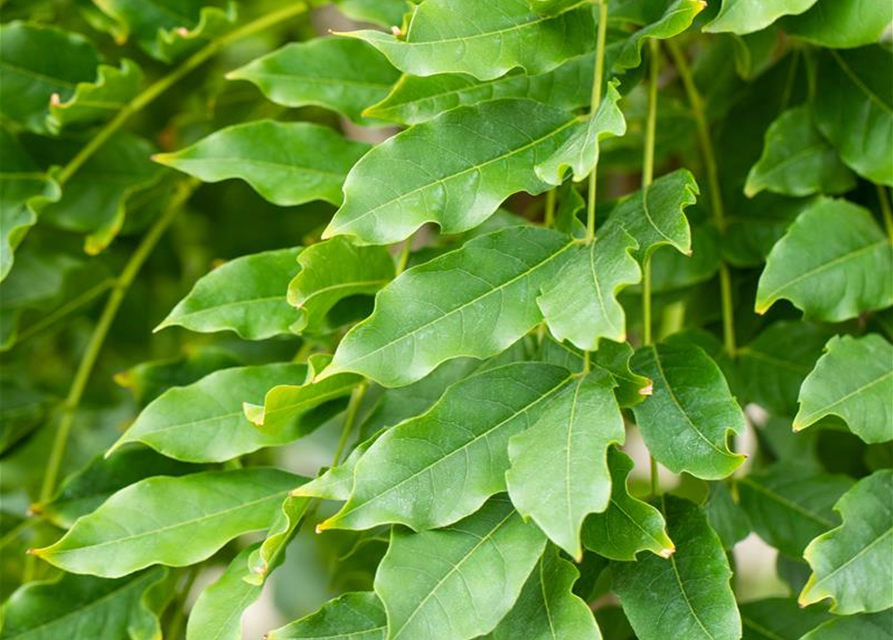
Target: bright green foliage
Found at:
x=677, y=16
x=746, y=16
x=833, y=264
x=570, y=440
x=843, y=23
x=354, y=616
x=339, y=74
x=852, y=564
x=217, y=614
x=96, y=101
x=628, y=525
x=287, y=163
x=797, y=161
x=213, y=507
x=270, y=553
x=852, y=380
x=245, y=295
x=691, y=413
x=688, y=593
x=442, y=581
x=441, y=38
x=875, y=626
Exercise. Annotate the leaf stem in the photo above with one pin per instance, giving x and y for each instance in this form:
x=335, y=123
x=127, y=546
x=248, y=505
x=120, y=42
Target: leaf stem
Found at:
x=648, y=177
x=70, y=307
x=166, y=82
x=703, y=129
x=551, y=197
x=597, y=82
x=404, y=256
x=356, y=399
x=885, y=210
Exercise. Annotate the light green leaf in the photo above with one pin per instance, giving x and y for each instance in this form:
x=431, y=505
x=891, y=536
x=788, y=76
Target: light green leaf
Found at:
x=442, y=582
x=24, y=191
x=746, y=16
x=171, y=521
x=689, y=592
x=288, y=163
x=475, y=301
x=217, y=613
x=797, y=160
x=855, y=111
x=790, y=504
x=833, y=264
x=204, y=421
x=852, y=380
x=842, y=23
x=547, y=608
x=417, y=99
x=677, y=17
x=550, y=7
x=851, y=562
x=331, y=271
x=688, y=418
x=441, y=38
x=779, y=619
x=559, y=472
x=875, y=626
x=343, y=75
x=246, y=295
x=98, y=100
x=353, y=616
x=425, y=473
x=84, y=607
x=484, y=154
x=264, y=559
x=628, y=525
x=773, y=366
x=580, y=151
x=94, y=201
x=336, y=483
x=40, y=62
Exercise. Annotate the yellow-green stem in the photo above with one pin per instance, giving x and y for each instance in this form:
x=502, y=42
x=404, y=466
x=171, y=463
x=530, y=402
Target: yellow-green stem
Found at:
x=403, y=258
x=648, y=177
x=597, y=82
x=166, y=82
x=551, y=197
x=350, y=419
x=704, y=141
x=885, y=210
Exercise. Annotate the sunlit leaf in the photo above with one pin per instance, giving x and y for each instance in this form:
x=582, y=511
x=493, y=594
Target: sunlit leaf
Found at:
x=746, y=16
x=842, y=23
x=353, y=616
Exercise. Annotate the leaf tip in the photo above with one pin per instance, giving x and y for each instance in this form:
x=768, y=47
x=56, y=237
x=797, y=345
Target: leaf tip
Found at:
x=254, y=413
x=666, y=552
x=647, y=390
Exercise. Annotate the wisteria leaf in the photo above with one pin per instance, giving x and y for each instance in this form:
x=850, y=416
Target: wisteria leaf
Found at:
x=873, y=626
x=747, y=16
x=217, y=613
x=353, y=616
x=842, y=24
x=98, y=100
x=265, y=558
x=677, y=17
x=776, y=618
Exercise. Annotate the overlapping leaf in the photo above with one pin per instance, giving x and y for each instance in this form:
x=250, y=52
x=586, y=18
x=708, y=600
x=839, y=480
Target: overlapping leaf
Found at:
x=842, y=24
x=99, y=100
x=676, y=17
x=746, y=16
x=779, y=619
x=354, y=616
x=875, y=626
x=217, y=613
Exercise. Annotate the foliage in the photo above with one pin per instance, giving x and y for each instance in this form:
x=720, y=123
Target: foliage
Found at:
x=484, y=320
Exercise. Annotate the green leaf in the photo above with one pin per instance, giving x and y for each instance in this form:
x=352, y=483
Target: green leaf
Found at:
x=842, y=23
x=875, y=626
x=264, y=559
x=688, y=418
x=484, y=154
x=204, y=421
x=246, y=295
x=789, y=504
x=24, y=190
x=443, y=581
x=725, y=516
x=343, y=75
x=746, y=16
x=580, y=151
x=475, y=301
x=688, y=593
x=628, y=525
x=677, y=17
x=779, y=619
x=288, y=163
x=94, y=201
x=217, y=613
x=550, y=7
x=84, y=607
x=24, y=409
x=416, y=99
x=465, y=466
x=331, y=271
x=580, y=303
x=40, y=62
x=855, y=112
x=852, y=380
x=84, y=491
x=833, y=264
x=559, y=472
x=98, y=100
x=851, y=562
x=797, y=160
x=773, y=366
x=353, y=616
x=171, y=521
x=441, y=38
x=547, y=607
x=754, y=226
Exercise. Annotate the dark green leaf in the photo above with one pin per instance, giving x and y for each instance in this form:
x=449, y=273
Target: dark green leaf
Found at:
x=353, y=616
x=842, y=23
x=779, y=619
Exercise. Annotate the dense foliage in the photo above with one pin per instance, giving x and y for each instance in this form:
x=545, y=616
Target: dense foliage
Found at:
x=468, y=258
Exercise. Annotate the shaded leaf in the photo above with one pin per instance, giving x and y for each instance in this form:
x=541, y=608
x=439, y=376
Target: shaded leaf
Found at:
x=852, y=380
x=779, y=619
x=98, y=100
x=833, y=264
x=23, y=410
x=246, y=295
x=725, y=515
x=186, y=520
x=288, y=163
x=875, y=626
x=264, y=559
x=217, y=613
x=354, y=616
x=754, y=226
x=442, y=582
